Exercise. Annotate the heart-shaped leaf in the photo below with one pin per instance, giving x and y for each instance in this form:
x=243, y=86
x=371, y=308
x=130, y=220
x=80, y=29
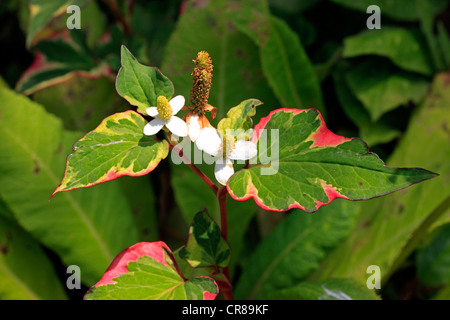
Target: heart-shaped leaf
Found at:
x=115, y=148
x=205, y=246
x=309, y=166
x=147, y=271
x=141, y=85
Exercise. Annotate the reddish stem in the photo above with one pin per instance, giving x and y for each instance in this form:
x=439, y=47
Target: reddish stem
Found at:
x=193, y=167
x=225, y=286
x=221, y=194
x=120, y=17
x=222, y=198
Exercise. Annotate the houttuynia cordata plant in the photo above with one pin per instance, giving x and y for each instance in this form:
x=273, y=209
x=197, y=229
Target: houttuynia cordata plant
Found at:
x=289, y=159
x=225, y=149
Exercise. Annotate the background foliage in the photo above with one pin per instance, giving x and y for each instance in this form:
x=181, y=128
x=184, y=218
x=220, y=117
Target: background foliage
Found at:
x=389, y=86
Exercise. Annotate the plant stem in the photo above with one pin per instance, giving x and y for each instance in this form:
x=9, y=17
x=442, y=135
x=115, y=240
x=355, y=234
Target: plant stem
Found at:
x=221, y=194
x=194, y=168
x=222, y=198
x=120, y=17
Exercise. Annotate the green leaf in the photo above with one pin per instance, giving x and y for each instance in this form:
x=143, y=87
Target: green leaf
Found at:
x=332, y=289
x=404, y=47
x=426, y=12
x=81, y=103
x=85, y=227
x=239, y=119
x=433, y=260
x=25, y=271
x=403, y=10
x=294, y=249
x=371, y=132
x=288, y=68
x=115, y=148
x=193, y=195
x=443, y=294
x=284, y=61
x=382, y=88
x=147, y=271
x=205, y=246
x=237, y=72
x=444, y=43
x=309, y=166
x=141, y=85
x=401, y=214
x=43, y=11
x=58, y=60
x=142, y=199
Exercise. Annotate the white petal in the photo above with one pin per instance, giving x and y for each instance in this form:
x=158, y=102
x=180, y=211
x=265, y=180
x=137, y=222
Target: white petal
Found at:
x=177, y=126
x=194, y=129
x=152, y=111
x=243, y=150
x=176, y=103
x=153, y=126
x=209, y=141
x=223, y=170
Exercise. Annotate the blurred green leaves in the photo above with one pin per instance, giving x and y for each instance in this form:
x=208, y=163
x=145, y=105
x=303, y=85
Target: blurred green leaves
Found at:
x=86, y=228
x=408, y=215
x=294, y=249
x=373, y=84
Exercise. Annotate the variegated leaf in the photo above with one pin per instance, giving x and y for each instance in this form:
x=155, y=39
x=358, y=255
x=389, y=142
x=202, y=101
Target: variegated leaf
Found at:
x=115, y=148
x=147, y=271
x=302, y=164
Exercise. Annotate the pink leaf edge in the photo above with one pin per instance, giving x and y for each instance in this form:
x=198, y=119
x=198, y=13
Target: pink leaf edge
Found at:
x=323, y=137
x=155, y=250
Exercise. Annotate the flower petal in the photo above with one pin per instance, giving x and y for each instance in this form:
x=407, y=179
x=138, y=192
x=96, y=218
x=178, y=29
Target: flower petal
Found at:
x=176, y=103
x=243, y=150
x=194, y=128
x=209, y=141
x=223, y=170
x=177, y=126
x=153, y=126
x=152, y=111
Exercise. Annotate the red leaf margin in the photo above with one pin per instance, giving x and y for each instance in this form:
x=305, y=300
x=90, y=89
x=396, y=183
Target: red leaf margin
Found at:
x=156, y=250
x=112, y=174
x=323, y=137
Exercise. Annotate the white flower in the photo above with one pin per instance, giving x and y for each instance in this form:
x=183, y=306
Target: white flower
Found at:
x=225, y=149
x=196, y=123
x=164, y=114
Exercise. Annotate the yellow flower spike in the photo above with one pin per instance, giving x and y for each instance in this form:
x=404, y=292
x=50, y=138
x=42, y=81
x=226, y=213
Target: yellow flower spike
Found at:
x=202, y=79
x=228, y=143
x=164, y=109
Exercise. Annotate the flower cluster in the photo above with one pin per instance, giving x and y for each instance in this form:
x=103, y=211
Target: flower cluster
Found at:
x=196, y=125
